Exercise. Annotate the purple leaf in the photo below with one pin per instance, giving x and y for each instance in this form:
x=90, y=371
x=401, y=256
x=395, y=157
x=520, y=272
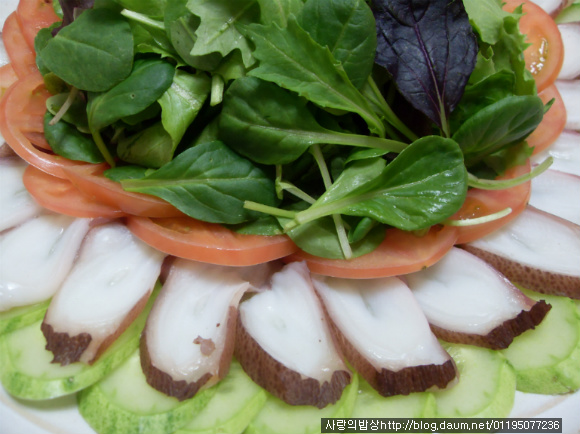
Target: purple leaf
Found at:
x=430, y=50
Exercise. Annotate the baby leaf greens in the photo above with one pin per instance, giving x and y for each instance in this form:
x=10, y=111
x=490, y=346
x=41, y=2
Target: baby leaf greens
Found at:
x=286, y=116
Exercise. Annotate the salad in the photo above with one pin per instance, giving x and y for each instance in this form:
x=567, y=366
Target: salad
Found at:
x=294, y=157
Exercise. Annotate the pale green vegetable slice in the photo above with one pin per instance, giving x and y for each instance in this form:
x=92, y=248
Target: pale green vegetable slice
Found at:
x=124, y=403
x=546, y=359
x=26, y=370
x=370, y=404
x=19, y=317
x=486, y=386
x=277, y=417
x=236, y=402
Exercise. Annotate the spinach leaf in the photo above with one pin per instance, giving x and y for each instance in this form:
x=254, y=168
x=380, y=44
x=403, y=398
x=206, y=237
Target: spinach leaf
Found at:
x=149, y=79
x=151, y=39
x=347, y=28
x=498, y=125
x=151, y=147
x=271, y=125
x=290, y=58
x=278, y=11
x=93, y=53
x=182, y=102
x=68, y=142
x=217, y=32
x=429, y=48
x=423, y=185
x=209, y=182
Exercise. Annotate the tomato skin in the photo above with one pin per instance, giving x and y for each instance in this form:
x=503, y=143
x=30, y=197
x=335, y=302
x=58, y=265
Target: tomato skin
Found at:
x=553, y=122
x=7, y=78
x=212, y=243
x=400, y=253
x=479, y=203
x=545, y=56
x=21, y=119
x=22, y=57
x=89, y=179
x=60, y=196
x=34, y=15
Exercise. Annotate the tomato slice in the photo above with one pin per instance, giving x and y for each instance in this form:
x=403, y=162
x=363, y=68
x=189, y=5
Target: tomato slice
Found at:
x=209, y=242
x=553, y=122
x=61, y=196
x=89, y=179
x=7, y=77
x=22, y=57
x=545, y=55
x=21, y=119
x=400, y=253
x=34, y=15
x=480, y=203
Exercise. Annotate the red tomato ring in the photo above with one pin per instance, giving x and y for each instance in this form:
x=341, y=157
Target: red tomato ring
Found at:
x=480, y=203
x=34, y=15
x=21, y=115
x=400, y=253
x=89, y=179
x=212, y=243
x=22, y=57
x=60, y=196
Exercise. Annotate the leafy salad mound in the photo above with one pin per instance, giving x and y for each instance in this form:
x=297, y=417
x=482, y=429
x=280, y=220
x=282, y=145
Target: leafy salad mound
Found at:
x=328, y=120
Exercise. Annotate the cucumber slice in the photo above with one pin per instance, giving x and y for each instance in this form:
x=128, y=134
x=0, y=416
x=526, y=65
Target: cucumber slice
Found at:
x=370, y=404
x=19, y=317
x=569, y=15
x=486, y=386
x=123, y=402
x=26, y=370
x=543, y=364
x=277, y=417
x=236, y=402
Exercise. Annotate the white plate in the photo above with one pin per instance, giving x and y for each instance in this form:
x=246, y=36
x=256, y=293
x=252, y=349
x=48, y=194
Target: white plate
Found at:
x=60, y=416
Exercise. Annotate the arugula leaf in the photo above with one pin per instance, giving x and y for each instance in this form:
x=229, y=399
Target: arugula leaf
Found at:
x=93, y=53
x=181, y=25
x=217, y=32
x=271, y=125
x=430, y=50
x=208, y=182
x=290, y=58
x=499, y=125
x=422, y=186
x=347, y=28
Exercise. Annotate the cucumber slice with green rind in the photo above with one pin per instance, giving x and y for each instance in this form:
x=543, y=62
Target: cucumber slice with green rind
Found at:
x=19, y=317
x=370, y=404
x=123, y=402
x=543, y=364
x=236, y=402
x=26, y=370
x=569, y=15
x=486, y=386
x=277, y=417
